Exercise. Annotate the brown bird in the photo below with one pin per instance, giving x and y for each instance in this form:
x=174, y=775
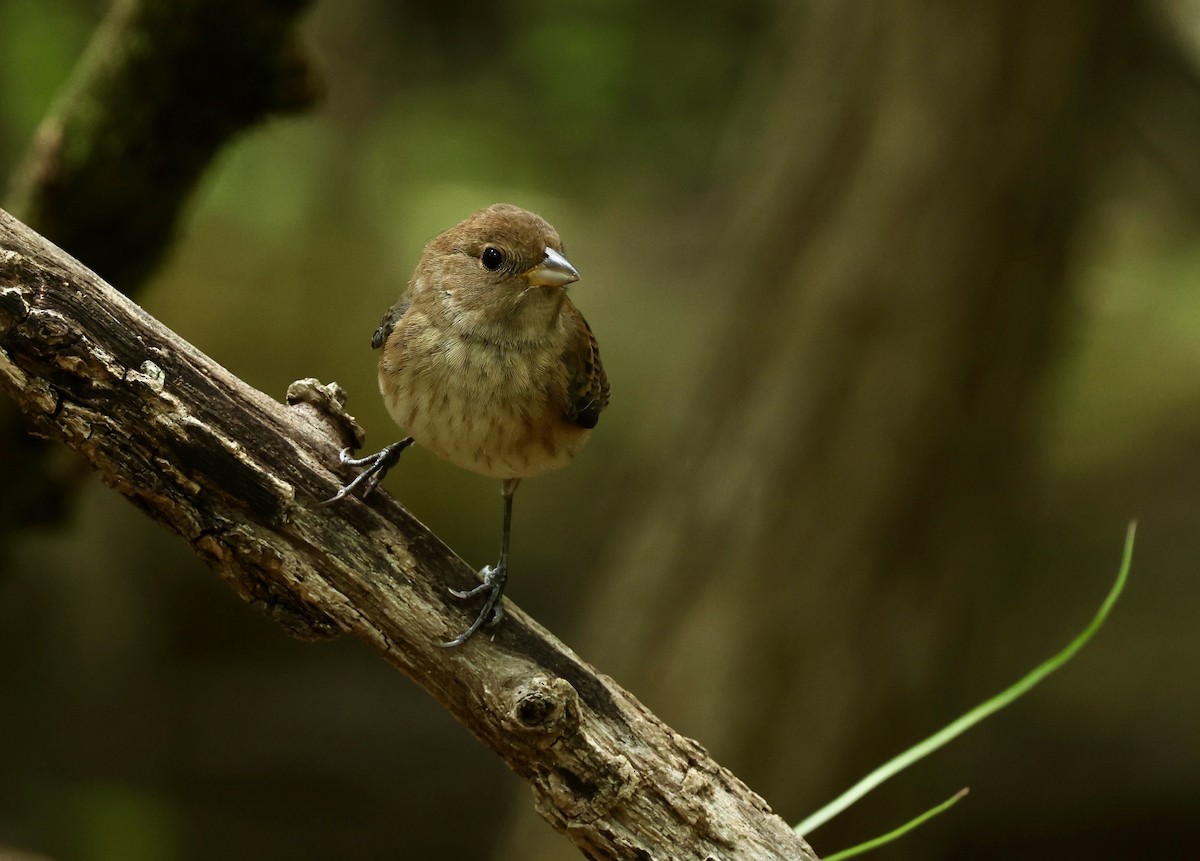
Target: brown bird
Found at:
x=487, y=364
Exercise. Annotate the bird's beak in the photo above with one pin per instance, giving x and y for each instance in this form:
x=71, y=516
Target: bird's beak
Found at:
x=554, y=271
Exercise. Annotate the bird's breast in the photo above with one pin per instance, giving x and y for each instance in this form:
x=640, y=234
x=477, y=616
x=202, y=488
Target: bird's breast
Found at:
x=498, y=410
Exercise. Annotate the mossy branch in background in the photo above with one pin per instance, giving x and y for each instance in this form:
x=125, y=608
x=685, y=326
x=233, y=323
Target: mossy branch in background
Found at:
x=163, y=86
x=958, y=727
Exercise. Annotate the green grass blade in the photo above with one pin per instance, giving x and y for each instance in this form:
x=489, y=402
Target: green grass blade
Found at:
x=958, y=727
x=898, y=832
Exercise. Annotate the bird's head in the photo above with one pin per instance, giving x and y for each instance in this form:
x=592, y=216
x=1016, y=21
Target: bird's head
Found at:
x=502, y=266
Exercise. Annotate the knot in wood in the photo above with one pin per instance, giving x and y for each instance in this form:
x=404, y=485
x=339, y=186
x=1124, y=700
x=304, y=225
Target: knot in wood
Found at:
x=323, y=407
x=544, y=706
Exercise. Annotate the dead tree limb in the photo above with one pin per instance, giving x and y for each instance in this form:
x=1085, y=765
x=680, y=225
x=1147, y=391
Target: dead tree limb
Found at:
x=237, y=476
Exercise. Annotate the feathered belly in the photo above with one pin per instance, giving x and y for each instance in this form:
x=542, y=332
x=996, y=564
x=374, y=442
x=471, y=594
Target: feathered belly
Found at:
x=502, y=417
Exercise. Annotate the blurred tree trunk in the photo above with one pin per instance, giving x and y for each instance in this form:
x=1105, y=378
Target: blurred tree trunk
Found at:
x=851, y=489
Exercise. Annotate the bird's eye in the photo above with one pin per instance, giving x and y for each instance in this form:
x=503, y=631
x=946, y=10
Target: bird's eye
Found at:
x=492, y=258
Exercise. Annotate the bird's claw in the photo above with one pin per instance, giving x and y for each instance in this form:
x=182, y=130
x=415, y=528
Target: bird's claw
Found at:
x=492, y=610
x=484, y=586
x=377, y=466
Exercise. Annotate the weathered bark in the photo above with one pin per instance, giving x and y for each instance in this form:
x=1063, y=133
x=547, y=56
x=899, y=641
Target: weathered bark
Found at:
x=238, y=476
x=163, y=86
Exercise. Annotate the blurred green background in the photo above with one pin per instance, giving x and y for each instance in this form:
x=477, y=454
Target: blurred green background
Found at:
x=147, y=713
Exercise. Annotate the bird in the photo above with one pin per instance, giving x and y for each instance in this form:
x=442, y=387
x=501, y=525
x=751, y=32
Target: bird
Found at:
x=487, y=363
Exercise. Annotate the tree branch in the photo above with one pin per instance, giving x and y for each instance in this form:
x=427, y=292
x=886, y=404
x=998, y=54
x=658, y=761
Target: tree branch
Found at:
x=237, y=475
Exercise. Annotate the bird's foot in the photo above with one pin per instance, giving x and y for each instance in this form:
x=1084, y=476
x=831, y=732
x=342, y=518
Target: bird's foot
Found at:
x=492, y=610
x=377, y=466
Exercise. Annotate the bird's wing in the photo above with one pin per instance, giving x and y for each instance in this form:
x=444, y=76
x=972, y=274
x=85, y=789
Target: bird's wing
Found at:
x=587, y=384
x=390, y=319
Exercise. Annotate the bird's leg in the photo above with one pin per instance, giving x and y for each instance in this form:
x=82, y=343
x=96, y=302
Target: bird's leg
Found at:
x=494, y=578
x=377, y=466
